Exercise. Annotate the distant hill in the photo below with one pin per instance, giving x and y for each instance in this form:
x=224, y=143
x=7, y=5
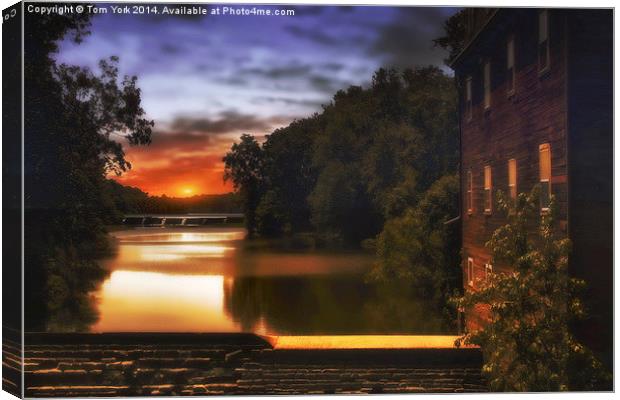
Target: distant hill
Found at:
x=130, y=200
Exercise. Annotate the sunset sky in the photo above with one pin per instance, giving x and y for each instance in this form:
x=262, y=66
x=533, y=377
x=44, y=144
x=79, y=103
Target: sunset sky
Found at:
x=206, y=80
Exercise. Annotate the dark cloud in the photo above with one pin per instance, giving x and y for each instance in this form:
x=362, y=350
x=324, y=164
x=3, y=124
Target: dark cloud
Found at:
x=165, y=139
x=288, y=71
x=235, y=81
x=326, y=84
x=314, y=35
x=407, y=41
x=203, y=67
x=323, y=84
x=281, y=77
x=168, y=48
x=289, y=101
x=342, y=39
x=226, y=122
x=333, y=66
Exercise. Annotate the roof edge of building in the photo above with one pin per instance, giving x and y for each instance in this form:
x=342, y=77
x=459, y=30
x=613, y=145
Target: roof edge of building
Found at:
x=453, y=64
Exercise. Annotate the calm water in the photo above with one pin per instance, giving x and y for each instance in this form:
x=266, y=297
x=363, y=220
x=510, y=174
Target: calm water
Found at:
x=209, y=280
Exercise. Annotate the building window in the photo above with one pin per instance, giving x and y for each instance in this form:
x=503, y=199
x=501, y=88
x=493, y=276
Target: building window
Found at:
x=488, y=270
x=510, y=66
x=487, y=85
x=470, y=271
x=470, y=192
x=468, y=101
x=545, y=176
x=488, y=190
x=543, y=41
x=512, y=178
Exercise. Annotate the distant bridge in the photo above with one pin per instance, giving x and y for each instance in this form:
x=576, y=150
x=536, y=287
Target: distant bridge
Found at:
x=180, y=219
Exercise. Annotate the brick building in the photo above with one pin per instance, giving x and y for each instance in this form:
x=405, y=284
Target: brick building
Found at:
x=536, y=107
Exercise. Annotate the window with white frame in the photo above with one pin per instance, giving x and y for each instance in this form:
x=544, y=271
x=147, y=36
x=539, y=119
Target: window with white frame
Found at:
x=468, y=99
x=510, y=66
x=488, y=190
x=543, y=41
x=545, y=175
x=470, y=271
x=470, y=192
x=512, y=178
x=488, y=270
x=487, y=84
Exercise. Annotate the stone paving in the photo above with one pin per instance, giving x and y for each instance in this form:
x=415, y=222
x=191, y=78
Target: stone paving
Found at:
x=202, y=364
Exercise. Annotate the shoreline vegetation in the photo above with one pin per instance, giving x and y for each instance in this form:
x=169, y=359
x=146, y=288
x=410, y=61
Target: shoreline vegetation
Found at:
x=132, y=200
x=376, y=170
x=74, y=117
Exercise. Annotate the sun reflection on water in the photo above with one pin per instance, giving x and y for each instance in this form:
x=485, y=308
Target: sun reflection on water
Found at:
x=133, y=301
x=159, y=253
x=154, y=235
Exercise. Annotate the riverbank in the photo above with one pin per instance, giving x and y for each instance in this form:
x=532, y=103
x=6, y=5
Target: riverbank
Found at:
x=65, y=365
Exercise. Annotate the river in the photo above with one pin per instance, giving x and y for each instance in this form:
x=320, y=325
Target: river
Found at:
x=208, y=279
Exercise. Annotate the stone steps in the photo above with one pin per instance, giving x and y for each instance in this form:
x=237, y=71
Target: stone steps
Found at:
x=11, y=364
x=96, y=368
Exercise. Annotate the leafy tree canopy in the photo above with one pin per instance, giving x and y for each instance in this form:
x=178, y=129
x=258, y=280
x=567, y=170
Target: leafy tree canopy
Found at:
x=363, y=160
x=421, y=250
x=244, y=167
x=75, y=123
x=527, y=341
x=455, y=37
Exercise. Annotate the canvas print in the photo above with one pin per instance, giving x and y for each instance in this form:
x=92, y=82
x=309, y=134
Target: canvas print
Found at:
x=242, y=199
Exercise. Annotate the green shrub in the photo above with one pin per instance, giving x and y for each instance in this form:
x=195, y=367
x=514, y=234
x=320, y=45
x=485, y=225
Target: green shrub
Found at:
x=421, y=251
x=527, y=342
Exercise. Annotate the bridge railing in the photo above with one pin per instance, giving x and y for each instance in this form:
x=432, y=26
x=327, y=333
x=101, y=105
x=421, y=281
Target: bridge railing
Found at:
x=180, y=220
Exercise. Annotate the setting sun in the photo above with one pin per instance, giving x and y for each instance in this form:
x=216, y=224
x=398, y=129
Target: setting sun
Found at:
x=187, y=191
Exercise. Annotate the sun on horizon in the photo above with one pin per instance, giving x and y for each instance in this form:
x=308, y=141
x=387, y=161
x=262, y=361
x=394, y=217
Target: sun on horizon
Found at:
x=187, y=191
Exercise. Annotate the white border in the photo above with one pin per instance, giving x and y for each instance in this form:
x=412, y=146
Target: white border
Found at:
x=454, y=3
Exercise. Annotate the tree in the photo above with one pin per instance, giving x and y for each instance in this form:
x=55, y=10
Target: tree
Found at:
x=369, y=155
x=341, y=209
x=419, y=250
x=381, y=149
x=289, y=177
x=454, y=41
x=244, y=167
x=271, y=216
x=527, y=341
x=74, y=122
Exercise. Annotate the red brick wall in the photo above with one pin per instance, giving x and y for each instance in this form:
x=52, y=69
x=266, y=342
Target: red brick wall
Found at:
x=514, y=126
x=570, y=107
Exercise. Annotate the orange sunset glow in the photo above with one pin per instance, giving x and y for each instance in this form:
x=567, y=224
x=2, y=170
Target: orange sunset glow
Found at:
x=184, y=158
x=178, y=165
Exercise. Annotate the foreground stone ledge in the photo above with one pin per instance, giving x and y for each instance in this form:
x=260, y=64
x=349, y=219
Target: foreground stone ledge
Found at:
x=348, y=342
x=144, y=364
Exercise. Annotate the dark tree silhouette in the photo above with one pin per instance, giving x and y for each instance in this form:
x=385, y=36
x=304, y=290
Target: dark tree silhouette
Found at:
x=243, y=166
x=455, y=35
x=75, y=121
x=368, y=156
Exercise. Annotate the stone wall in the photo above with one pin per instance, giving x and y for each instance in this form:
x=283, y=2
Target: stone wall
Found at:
x=143, y=364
